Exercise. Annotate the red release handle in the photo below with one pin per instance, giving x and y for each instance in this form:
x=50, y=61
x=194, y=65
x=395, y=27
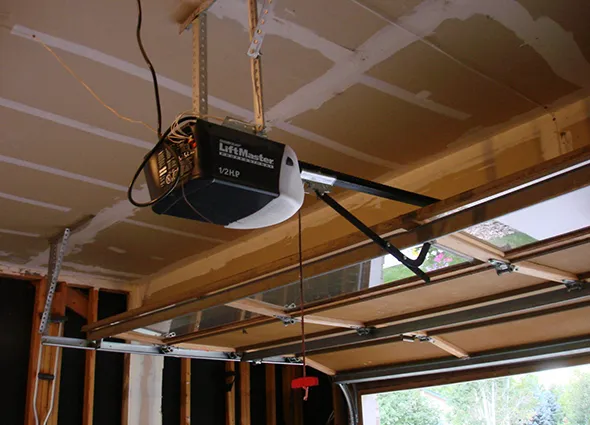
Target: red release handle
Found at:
x=305, y=382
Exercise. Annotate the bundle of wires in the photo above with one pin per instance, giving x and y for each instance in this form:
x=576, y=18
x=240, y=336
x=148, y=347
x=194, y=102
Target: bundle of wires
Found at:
x=179, y=132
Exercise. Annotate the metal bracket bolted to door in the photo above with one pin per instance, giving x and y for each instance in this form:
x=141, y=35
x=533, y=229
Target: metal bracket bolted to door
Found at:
x=572, y=285
x=502, y=266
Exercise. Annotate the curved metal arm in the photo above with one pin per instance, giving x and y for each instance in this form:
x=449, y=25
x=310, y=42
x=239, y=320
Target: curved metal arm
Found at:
x=413, y=265
x=418, y=261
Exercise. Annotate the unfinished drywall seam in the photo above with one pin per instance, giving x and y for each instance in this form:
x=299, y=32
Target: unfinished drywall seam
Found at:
x=100, y=271
x=552, y=42
x=18, y=233
x=62, y=173
x=87, y=234
x=68, y=122
x=544, y=35
x=34, y=202
x=69, y=276
x=410, y=97
x=172, y=231
x=168, y=83
x=236, y=11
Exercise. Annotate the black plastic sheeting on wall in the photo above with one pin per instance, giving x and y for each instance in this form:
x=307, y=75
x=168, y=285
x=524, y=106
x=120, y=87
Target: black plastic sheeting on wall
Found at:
x=71, y=389
x=108, y=389
x=171, y=391
x=207, y=392
x=16, y=315
x=208, y=395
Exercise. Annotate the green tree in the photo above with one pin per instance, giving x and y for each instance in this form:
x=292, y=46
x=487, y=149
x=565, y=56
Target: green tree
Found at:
x=500, y=401
x=548, y=410
x=407, y=408
x=575, y=400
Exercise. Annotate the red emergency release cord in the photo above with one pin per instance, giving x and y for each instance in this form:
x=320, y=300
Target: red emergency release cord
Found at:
x=304, y=382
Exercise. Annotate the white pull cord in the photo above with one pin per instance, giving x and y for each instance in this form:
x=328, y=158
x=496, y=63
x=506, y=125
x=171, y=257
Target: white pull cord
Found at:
x=52, y=386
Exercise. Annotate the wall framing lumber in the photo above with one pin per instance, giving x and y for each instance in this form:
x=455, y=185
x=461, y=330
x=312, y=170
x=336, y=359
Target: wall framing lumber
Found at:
x=292, y=403
x=49, y=356
x=185, y=391
x=338, y=404
x=77, y=302
x=90, y=363
x=125, y=400
x=515, y=200
x=230, y=395
x=271, y=394
x=244, y=393
x=40, y=290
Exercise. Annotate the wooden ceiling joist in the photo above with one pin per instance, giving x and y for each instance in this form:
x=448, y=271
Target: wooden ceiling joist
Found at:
x=78, y=302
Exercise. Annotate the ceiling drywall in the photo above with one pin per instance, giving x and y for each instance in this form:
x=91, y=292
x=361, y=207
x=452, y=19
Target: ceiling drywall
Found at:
x=365, y=87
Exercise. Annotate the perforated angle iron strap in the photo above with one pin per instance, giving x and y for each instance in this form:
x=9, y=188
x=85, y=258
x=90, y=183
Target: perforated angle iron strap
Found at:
x=259, y=32
x=199, y=71
x=56, y=255
x=256, y=70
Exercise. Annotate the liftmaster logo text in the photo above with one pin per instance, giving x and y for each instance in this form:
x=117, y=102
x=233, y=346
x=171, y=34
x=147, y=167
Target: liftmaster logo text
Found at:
x=236, y=151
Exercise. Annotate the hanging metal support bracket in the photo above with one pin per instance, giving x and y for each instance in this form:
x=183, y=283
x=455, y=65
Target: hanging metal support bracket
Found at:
x=256, y=71
x=57, y=251
x=259, y=32
x=200, y=96
x=412, y=264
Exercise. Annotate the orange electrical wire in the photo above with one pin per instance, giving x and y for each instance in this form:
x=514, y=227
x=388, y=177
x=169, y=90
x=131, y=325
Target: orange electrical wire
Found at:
x=73, y=74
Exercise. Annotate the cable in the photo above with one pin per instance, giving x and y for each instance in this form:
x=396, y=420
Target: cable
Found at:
x=161, y=142
x=152, y=70
x=192, y=206
x=301, y=303
x=92, y=92
x=53, y=385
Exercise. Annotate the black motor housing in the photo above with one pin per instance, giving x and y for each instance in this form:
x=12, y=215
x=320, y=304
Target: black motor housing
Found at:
x=225, y=174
